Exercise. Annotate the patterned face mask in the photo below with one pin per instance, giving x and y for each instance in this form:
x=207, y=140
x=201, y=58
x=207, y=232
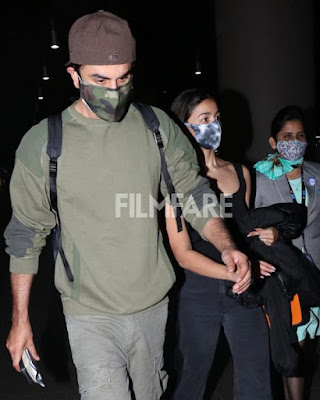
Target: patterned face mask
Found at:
x=291, y=149
x=207, y=135
x=108, y=104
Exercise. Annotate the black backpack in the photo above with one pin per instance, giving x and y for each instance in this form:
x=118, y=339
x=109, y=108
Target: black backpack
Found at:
x=54, y=150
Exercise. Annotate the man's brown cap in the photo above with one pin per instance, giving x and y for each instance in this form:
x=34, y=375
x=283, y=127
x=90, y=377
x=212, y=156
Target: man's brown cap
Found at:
x=101, y=38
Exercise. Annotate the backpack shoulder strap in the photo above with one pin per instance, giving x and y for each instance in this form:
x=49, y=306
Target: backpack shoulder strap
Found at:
x=149, y=117
x=54, y=150
x=153, y=124
x=54, y=146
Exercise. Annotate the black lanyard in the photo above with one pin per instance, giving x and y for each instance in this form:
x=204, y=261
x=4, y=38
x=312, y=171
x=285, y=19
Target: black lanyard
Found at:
x=303, y=202
x=303, y=190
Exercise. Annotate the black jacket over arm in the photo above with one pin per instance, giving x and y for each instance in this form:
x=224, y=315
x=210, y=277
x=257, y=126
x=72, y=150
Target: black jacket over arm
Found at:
x=294, y=274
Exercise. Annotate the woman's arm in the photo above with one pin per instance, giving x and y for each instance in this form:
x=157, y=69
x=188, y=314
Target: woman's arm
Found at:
x=247, y=178
x=188, y=258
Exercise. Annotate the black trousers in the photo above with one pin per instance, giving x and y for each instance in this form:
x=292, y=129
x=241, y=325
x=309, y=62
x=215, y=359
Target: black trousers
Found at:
x=203, y=308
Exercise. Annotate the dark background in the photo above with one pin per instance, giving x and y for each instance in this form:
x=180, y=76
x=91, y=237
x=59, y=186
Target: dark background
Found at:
x=169, y=35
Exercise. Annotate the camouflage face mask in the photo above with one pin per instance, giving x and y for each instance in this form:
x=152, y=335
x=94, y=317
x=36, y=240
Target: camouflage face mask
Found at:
x=108, y=104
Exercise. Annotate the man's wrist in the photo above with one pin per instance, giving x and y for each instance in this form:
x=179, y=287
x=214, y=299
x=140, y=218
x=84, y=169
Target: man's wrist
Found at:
x=217, y=233
x=228, y=246
x=20, y=319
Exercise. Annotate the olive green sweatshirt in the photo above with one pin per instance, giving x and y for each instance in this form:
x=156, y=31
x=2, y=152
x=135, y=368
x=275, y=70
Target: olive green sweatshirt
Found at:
x=108, y=181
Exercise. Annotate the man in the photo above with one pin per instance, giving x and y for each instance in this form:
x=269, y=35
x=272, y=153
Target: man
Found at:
x=116, y=306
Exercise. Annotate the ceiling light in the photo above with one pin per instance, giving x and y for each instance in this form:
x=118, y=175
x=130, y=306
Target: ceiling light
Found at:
x=197, y=67
x=53, y=37
x=45, y=75
x=40, y=93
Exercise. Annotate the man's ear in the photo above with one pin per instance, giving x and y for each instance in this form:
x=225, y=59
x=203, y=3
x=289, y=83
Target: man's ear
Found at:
x=272, y=143
x=74, y=76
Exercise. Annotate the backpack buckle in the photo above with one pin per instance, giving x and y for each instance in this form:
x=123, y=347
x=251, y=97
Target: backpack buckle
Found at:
x=158, y=138
x=53, y=167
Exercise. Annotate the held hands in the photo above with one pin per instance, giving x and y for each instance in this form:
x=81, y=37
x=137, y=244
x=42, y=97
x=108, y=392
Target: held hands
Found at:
x=231, y=276
x=20, y=338
x=239, y=267
x=266, y=269
x=268, y=235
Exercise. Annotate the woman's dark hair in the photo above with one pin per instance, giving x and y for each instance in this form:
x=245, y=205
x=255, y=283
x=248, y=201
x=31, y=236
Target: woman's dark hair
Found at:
x=184, y=104
x=288, y=113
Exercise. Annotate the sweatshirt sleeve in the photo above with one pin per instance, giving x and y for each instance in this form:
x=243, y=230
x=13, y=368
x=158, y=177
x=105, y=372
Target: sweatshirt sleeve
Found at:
x=198, y=200
x=32, y=218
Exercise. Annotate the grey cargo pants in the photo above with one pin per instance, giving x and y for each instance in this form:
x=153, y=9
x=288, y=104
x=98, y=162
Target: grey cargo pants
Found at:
x=116, y=355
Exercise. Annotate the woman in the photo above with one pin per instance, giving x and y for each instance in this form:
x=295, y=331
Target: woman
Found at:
x=284, y=176
x=203, y=307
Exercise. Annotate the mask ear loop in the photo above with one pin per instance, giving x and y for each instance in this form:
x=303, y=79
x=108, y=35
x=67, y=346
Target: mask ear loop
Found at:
x=80, y=79
x=82, y=99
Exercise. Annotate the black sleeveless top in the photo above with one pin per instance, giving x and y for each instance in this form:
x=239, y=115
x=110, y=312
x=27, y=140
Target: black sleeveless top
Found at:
x=236, y=206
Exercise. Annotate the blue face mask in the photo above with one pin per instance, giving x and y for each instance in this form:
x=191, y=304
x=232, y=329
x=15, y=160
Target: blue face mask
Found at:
x=207, y=135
